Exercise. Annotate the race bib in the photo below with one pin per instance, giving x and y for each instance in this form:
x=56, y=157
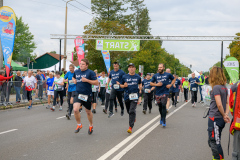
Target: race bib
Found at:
x=94, y=90
x=28, y=83
x=83, y=97
x=147, y=90
x=51, y=88
x=185, y=87
x=116, y=86
x=133, y=96
x=103, y=85
x=194, y=89
x=71, y=82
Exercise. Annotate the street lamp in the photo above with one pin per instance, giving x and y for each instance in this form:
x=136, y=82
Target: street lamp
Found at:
x=65, y=40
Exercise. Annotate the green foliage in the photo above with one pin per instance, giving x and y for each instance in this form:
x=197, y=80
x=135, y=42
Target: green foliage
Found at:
x=53, y=52
x=24, y=44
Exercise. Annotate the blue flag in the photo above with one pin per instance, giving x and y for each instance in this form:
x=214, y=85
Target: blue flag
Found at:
x=106, y=58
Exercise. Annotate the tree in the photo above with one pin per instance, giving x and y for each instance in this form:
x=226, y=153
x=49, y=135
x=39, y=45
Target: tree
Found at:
x=53, y=52
x=24, y=44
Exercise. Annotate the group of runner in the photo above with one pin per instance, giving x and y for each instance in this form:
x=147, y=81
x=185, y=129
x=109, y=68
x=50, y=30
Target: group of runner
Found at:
x=84, y=85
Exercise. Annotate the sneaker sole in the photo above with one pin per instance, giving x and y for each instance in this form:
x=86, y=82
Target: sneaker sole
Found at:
x=129, y=131
x=110, y=116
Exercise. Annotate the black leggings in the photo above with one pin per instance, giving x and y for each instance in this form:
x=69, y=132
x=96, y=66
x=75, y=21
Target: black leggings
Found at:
x=174, y=97
x=94, y=97
x=102, y=93
x=56, y=93
x=194, y=96
x=29, y=95
x=113, y=96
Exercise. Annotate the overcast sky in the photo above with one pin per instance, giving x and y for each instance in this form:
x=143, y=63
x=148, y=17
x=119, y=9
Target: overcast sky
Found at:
x=171, y=17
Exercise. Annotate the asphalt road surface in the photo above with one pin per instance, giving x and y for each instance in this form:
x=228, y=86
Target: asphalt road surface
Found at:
x=39, y=134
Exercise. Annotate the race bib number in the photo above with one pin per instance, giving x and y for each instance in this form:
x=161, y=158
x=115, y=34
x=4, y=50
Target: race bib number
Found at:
x=51, y=88
x=94, y=90
x=194, y=89
x=133, y=96
x=147, y=90
x=185, y=87
x=28, y=83
x=102, y=85
x=83, y=97
x=116, y=86
x=71, y=82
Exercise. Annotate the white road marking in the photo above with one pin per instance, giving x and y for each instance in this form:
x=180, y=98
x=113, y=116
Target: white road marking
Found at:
x=8, y=131
x=136, y=141
x=63, y=117
x=118, y=146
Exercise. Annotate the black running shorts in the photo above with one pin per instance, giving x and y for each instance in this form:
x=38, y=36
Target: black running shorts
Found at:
x=87, y=104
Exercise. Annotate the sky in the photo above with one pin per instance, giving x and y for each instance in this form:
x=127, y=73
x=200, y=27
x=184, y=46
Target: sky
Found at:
x=168, y=18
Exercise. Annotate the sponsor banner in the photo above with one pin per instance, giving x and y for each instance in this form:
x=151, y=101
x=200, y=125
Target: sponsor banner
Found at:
x=118, y=45
x=232, y=66
x=7, y=30
x=106, y=58
x=80, y=48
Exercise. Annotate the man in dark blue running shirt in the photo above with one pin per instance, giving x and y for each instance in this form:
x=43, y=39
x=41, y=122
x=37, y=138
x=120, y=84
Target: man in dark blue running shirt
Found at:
x=84, y=78
x=161, y=81
x=132, y=85
x=114, y=76
x=175, y=90
x=148, y=93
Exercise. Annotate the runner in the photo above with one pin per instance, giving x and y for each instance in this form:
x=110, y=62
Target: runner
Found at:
x=58, y=90
x=49, y=88
x=84, y=78
x=30, y=83
x=202, y=82
x=71, y=88
x=102, y=90
x=175, y=90
x=114, y=76
x=132, y=85
x=148, y=94
x=95, y=89
x=193, y=83
x=161, y=81
x=185, y=87
x=108, y=91
x=140, y=94
x=170, y=91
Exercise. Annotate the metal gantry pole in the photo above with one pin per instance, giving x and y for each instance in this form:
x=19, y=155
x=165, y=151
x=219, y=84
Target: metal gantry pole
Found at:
x=222, y=55
x=60, y=54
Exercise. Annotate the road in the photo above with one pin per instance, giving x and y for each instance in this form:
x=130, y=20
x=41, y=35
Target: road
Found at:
x=39, y=134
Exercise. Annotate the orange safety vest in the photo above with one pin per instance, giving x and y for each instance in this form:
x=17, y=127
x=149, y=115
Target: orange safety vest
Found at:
x=234, y=105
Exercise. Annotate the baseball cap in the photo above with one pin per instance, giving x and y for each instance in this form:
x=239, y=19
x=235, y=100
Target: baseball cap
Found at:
x=131, y=64
x=149, y=74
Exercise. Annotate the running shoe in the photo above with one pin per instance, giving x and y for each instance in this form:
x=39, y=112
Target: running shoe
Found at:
x=175, y=104
x=68, y=116
x=105, y=111
x=167, y=110
x=161, y=122
x=115, y=109
x=80, y=110
x=78, y=128
x=29, y=107
x=94, y=111
x=164, y=124
x=129, y=130
x=48, y=107
x=122, y=112
x=144, y=112
x=149, y=111
x=102, y=104
x=52, y=108
x=186, y=100
x=90, y=130
x=193, y=105
x=60, y=109
x=110, y=115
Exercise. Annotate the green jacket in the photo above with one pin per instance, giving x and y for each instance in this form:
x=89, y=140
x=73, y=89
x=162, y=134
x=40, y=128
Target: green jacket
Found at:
x=185, y=84
x=202, y=80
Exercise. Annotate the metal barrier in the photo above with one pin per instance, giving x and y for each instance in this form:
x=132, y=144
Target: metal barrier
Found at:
x=12, y=93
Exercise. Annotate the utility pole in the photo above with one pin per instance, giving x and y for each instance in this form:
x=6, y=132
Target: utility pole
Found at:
x=65, y=40
x=1, y=53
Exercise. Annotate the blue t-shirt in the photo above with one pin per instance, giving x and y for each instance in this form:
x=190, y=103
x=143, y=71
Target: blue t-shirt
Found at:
x=146, y=84
x=117, y=76
x=133, y=81
x=84, y=87
x=71, y=85
x=177, y=84
x=43, y=77
x=193, y=85
x=164, y=78
x=50, y=83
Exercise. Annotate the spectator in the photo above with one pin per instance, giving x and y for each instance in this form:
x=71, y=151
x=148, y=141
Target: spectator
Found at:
x=6, y=87
x=24, y=95
x=39, y=85
x=18, y=82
